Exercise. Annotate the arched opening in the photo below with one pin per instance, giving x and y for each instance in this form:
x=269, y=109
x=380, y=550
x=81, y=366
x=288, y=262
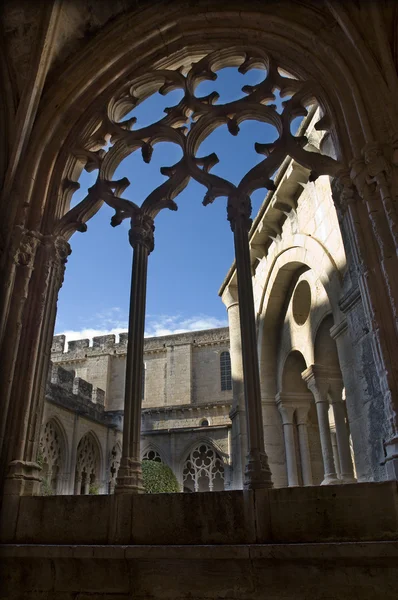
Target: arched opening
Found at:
x=152, y=454
x=88, y=466
x=203, y=470
x=225, y=371
x=330, y=89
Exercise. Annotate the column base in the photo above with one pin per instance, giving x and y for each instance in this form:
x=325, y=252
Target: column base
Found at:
x=332, y=480
x=257, y=472
x=23, y=479
x=348, y=479
x=129, y=478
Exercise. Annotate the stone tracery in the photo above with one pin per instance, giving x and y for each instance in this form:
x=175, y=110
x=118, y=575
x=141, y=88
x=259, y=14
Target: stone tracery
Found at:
x=152, y=454
x=87, y=464
x=205, y=116
x=114, y=460
x=52, y=456
x=203, y=470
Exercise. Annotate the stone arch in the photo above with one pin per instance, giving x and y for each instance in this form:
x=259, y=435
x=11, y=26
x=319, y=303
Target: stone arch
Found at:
x=325, y=349
x=151, y=446
x=53, y=448
x=350, y=84
x=291, y=380
x=88, y=464
x=344, y=82
x=290, y=261
x=305, y=250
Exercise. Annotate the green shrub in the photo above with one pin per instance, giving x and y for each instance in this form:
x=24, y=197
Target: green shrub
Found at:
x=93, y=490
x=46, y=489
x=40, y=459
x=158, y=478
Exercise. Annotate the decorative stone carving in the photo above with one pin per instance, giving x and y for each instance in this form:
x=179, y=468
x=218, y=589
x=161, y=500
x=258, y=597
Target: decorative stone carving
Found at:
x=87, y=464
x=141, y=232
x=187, y=124
x=51, y=451
x=151, y=454
x=27, y=244
x=203, y=468
x=114, y=461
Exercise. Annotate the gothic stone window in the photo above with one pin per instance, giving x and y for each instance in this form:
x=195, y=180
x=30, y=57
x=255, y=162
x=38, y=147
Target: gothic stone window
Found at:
x=203, y=470
x=225, y=368
x=51, y=452
x=152, y=455
x=87, y=465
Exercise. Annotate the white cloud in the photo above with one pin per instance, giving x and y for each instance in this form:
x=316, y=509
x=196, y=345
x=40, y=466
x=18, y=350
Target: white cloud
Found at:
x=112, y=321
x=167, y=325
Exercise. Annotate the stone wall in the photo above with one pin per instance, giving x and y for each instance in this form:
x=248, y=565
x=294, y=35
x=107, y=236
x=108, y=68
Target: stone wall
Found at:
x=179, y=369
x=76, y=408
x=296, y=243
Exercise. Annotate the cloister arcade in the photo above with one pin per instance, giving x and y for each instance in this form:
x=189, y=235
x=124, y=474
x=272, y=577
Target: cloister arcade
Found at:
x=335, y=66
x=329, y=91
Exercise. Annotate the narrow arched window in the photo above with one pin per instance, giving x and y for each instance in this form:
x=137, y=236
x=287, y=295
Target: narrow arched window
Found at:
x=143, y=382
x=225, y=368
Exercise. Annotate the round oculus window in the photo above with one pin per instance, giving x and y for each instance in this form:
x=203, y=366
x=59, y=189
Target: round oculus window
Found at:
x=301, y=302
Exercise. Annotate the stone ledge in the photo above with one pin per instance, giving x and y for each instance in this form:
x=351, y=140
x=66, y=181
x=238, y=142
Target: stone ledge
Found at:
x=355, y=512
x=201, y=572
x=321, y=551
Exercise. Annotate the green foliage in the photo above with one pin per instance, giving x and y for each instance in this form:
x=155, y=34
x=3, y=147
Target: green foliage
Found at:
x=93, y=490
x=46, y=489
x=40, y=459
x=158, y=478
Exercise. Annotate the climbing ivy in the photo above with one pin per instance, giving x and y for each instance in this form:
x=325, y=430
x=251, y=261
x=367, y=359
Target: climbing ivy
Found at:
x=158, y=478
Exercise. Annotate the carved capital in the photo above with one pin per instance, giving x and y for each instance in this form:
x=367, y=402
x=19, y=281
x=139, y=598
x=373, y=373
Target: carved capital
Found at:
x=62, y=251
x=343, y=191
x=142, y=231
x=24, y=247
x=377, y=165
x=239, y=208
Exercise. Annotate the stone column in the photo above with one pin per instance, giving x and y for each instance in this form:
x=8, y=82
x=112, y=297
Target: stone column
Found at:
x=129, y=478
x=31, y=367
x=342, y=433
x=302, y=429
x=22, y=261
x=287, y=413
x=335, y=453
x=238, y=413
x=257, y=473
x=319, y=387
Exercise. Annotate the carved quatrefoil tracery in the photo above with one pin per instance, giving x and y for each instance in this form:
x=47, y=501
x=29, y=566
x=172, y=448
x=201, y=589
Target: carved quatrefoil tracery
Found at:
x=188, y=124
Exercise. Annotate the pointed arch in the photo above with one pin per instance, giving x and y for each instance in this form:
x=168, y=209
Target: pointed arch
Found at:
x=53, y=450
x=203, y=467
x=150, y=446
x=88, y=464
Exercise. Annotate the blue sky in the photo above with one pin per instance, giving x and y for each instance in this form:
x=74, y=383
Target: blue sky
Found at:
x=193, y=246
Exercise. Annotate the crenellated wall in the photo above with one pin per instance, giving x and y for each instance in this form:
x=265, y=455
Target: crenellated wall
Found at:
x=85, y=394
x=179, y=369
x=82, y=389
